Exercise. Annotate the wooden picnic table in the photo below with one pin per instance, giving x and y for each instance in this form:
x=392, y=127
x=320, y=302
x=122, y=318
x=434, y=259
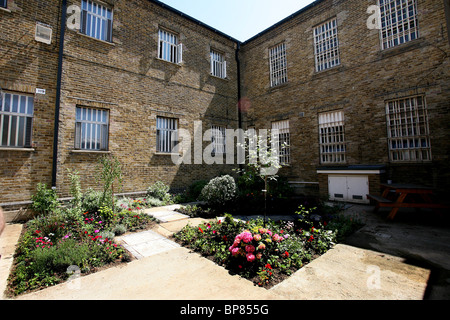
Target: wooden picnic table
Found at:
x=401, y=195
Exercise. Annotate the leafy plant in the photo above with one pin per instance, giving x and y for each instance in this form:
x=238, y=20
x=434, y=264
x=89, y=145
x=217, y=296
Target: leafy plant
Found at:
x=45, y=200
x=219, y=191
x=159, y=190
x=75, y=188
x=109, y=172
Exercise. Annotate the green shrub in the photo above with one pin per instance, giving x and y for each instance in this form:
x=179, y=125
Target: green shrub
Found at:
x=219, y=191
x=59, y=258
x=160, y=191
x=91, y=200
x=195, y=189
x=45, y=200
x=119, y=229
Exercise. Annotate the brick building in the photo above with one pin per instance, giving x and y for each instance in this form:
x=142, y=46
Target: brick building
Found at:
x=357, y=105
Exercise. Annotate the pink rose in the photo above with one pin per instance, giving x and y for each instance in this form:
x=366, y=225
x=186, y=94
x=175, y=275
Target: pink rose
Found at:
x=250, y=257
x=250, y=248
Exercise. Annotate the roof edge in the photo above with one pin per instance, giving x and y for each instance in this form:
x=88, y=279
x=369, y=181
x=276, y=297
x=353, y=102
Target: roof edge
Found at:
x=276, y=25
x=192, y=19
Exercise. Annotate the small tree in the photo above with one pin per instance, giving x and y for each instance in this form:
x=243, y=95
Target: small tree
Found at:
x=262, y=159
x=109, y=172
x=75, y=187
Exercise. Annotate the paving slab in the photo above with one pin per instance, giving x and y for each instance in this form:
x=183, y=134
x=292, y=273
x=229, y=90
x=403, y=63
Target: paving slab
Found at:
x=146, y=244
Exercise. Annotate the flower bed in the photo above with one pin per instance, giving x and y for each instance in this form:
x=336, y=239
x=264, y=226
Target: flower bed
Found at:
x=267, y=254
x=50, y=245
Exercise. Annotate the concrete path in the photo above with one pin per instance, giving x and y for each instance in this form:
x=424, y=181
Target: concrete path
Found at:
x=375, y=269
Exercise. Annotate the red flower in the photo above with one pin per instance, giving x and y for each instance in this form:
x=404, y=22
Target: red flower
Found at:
x=200, y=229
x=268, y=266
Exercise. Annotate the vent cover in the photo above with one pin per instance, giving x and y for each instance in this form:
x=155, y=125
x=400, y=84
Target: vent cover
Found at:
x=43, y=33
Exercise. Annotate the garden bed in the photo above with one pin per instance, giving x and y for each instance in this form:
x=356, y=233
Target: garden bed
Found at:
x=267, y=254
x=51, y=245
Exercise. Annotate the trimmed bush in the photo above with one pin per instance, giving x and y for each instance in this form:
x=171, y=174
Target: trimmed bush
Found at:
x=219, y=191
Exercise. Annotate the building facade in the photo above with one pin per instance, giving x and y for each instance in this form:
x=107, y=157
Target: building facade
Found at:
x=359, y=91
x=362, y=99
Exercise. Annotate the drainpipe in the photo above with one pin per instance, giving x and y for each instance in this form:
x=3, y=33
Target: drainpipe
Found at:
x=239, y=84
x=58, y=91
x=238, y=63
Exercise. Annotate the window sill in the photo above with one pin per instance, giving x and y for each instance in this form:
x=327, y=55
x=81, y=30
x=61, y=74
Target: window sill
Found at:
x=216, y=77
x=18, y=149
x=89, y=37
x=167, y=154
x=279, y=86
x=401, y=48
x=5, y=10
x=170, y=62
x=90, y=151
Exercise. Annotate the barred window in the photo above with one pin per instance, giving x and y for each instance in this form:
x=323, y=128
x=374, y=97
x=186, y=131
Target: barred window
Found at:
x=408, y=131
x=91, y=129
x=96, y=20
x=218, y=65
x=218, y=139
x=284, y=141
x=166, y=134
x=332, y=138
x=398, y=22
x=3, y=3
x=278, y=65
x=16, y=120
x=168, y=47
x=326, y=45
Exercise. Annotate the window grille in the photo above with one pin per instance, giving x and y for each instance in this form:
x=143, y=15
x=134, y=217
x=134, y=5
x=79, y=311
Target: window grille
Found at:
x=278, y=65
x=168, y=47
x=16, y=120
x=332, y=139
x=218, y=139
x=398, y=22
x=91, y=129
x=408, y=130
x=284, y=141
x=96, y=20
x=218, y=65
x=166, y=134
x=326, y=45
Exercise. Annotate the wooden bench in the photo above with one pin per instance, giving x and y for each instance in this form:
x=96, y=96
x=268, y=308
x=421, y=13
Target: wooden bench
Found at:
x=401, y=191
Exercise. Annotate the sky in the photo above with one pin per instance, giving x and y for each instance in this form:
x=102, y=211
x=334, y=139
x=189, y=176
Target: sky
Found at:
x=240, y=19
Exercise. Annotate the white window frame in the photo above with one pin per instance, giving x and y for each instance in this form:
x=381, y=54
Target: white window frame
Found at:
x=16, y=120
x=218, y=64
x=399, y=23
x=278, y=65
x=166, y=134
x=408, y=130
x=96, y=20
x=91, y=129
x=332, y=137
x=169, y=48
x=326, y=45
x=284, y=141
x=218, y=139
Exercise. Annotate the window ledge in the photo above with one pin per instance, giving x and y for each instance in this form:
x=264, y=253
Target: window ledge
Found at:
x=216, y=77
x=5, y=10
x=167, y=154
x=89, y=37
x=90, y=151
x=170, y=62
x=18, y=149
